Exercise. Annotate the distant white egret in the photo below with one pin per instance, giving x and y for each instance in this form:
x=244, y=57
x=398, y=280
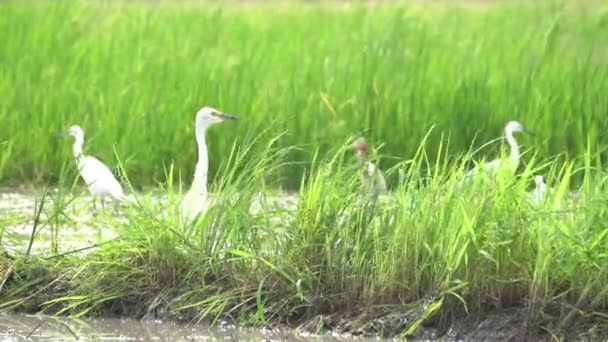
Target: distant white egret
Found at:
x=538, y=194
x=510, y=163
x=371, y=177
x=98, y=177
x=195, y=201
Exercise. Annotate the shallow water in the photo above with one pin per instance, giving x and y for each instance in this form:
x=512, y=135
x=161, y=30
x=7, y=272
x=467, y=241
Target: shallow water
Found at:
x=16, y=327
x=70, y=222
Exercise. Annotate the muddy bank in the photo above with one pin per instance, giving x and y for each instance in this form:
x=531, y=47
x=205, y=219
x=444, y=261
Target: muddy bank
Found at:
x=502, y=325
x=441, y=319
x=513, y=324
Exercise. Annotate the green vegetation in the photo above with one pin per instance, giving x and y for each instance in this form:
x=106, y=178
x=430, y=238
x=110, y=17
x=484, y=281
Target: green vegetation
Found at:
x=134, y=75
x=430, y=249
x=305, y=80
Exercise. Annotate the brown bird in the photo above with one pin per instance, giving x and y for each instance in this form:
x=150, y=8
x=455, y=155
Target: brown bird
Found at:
x=371, y=177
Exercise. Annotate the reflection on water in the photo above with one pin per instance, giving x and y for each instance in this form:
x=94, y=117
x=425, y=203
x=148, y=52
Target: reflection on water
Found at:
x=16, y=327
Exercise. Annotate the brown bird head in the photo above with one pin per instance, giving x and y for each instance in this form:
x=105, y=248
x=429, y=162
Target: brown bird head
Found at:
x=361, y=147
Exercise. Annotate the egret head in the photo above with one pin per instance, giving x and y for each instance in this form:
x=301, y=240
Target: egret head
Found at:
x=516, y=127
x=539, y=181
x=208, y=116
x=74, y=131
x=361, y=147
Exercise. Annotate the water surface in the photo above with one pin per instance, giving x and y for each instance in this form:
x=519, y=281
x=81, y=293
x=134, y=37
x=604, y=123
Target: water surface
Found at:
x=72, y=222
x=16, y=327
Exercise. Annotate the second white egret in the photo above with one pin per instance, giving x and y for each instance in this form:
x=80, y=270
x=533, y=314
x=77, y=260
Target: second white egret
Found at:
x=195, y=201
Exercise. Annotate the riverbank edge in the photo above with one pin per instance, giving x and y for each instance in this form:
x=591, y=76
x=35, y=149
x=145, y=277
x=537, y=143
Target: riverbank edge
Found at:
x=34, y=285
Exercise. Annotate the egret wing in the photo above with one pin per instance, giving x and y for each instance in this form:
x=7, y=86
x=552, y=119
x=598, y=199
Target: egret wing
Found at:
x=99, y=178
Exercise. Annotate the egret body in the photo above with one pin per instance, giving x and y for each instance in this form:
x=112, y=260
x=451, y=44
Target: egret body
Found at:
x=538, y=193
x=195, y=201
x=509, y=163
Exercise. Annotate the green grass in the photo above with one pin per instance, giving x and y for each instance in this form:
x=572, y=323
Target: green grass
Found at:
x=430, y=249
x=304, y=80
x=134, y=75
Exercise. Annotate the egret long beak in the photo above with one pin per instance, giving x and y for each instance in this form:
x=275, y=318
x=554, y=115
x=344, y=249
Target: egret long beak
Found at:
x=227, y=116
x=61, y=135
x=529, y=133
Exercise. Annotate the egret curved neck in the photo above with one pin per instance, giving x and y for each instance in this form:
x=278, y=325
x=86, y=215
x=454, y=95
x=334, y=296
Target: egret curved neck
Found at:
x=514, y=156
x=202, y=166
x=77, y=148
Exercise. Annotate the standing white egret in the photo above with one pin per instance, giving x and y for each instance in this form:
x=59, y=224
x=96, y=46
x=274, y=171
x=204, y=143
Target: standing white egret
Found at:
x=371, y=177
x=98, y=177
x=195, y=201
x=509, y=163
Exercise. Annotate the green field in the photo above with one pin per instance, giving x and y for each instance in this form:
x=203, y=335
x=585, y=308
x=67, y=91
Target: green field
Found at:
x=427, y=84
x=134, y=76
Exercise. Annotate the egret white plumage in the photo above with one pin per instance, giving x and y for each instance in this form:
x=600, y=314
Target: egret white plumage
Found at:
x=98, y=177
x=371, y=177
x=538, y=194
x=509, y=163
x=195, y=201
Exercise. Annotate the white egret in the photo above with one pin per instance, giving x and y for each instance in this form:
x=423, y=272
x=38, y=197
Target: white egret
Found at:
x=509, y=163
x=98, y=177
x=538, y=194
x=371, y=177
x=195, y=201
